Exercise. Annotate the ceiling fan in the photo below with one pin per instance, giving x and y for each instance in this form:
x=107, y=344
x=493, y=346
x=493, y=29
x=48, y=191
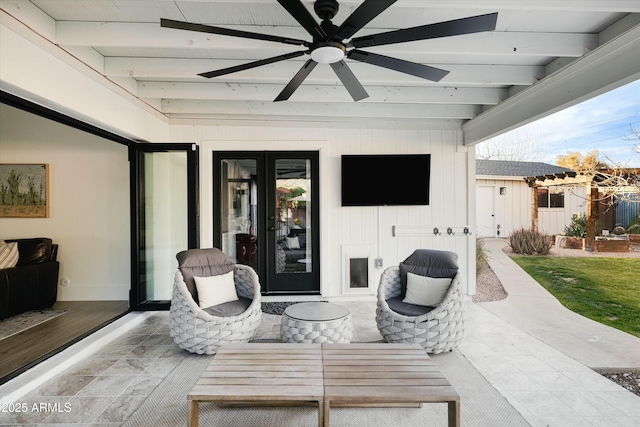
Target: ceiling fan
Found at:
x=331, y=44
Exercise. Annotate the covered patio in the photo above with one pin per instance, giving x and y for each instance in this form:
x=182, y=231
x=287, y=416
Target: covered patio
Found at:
x=135, y=81
x=108, y=66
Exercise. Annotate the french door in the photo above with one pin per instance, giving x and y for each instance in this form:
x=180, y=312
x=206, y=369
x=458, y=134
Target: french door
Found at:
x=266, y=216
x=164, y=218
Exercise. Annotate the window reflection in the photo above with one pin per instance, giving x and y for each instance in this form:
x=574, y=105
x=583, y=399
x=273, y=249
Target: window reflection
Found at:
x=239, y=211
x=293, y=216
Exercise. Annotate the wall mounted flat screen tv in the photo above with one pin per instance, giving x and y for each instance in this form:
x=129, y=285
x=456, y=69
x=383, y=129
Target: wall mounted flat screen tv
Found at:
x=385, y=180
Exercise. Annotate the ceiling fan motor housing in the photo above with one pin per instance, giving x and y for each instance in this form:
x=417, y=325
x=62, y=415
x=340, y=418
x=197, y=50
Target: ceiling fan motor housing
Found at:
x=326, y=9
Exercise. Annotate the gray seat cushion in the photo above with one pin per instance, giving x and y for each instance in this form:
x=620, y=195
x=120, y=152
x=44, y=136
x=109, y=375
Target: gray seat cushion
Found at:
x=396, y=304
x=233, y=308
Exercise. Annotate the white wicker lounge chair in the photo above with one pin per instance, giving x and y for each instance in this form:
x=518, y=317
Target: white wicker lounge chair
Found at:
x=437, y=329
x=203, y=331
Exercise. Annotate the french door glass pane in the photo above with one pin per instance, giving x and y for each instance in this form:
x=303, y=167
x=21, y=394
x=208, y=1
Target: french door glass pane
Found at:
x=293, y=216
x=165, y=220
x=239, y=191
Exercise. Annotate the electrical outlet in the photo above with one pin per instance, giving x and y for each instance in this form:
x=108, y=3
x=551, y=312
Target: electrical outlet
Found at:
x=378, y=262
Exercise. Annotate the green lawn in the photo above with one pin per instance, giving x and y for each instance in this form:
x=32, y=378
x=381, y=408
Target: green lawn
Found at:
x=606, y=290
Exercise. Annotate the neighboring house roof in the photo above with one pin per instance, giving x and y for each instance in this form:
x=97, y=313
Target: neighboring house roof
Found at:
x=518, y=169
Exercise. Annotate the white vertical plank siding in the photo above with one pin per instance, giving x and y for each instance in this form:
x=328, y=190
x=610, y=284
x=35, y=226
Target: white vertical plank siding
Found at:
x=342, y=227
x=513, y=210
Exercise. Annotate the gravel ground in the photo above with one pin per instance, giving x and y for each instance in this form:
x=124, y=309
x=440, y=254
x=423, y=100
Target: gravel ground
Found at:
x=628, y=380
x=489, y=288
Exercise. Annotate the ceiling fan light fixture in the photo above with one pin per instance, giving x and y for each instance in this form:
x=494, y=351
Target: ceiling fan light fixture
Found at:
x=328, y=53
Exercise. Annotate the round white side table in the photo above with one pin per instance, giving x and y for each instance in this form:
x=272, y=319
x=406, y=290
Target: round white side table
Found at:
x=316, y=322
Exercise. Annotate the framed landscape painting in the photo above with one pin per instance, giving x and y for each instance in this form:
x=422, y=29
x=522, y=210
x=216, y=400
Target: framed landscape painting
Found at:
x=24, y=190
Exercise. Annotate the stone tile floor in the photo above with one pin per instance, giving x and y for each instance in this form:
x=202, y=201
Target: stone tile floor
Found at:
x=547, y=387
x=107, y=387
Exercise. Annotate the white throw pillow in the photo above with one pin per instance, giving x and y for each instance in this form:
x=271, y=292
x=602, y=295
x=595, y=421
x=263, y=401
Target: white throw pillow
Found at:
x=427, y=291
x=214, y=290
x=8, y=254
x=293, y=242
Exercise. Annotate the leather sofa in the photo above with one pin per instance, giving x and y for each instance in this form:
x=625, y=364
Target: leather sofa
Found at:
x=33, y=283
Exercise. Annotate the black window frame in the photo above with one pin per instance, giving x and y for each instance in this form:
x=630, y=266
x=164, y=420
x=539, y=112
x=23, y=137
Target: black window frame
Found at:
x=550, y=199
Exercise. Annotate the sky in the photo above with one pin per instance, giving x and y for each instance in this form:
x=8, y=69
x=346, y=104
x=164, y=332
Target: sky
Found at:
x=600, y=123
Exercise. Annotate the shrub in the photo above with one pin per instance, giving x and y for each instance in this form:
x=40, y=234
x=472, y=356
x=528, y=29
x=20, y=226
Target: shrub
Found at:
x=529, y=242
x=578, y=226
x=482, y=261
x=634, y=226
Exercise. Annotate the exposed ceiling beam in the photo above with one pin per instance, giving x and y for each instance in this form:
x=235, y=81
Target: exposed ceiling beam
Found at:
x=153, y=36
x=172, y=68
x=203, y=108
x=311, y=93
x=579, y=5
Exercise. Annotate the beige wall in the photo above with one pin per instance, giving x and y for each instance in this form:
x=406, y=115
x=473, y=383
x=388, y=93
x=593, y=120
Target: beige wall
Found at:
x=89, y=194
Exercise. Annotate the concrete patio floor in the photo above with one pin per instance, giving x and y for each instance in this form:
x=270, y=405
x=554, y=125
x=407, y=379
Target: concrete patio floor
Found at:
x=536, y=354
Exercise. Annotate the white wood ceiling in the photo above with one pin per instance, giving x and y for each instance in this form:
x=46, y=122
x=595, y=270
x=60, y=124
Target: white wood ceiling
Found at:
x=123, y=41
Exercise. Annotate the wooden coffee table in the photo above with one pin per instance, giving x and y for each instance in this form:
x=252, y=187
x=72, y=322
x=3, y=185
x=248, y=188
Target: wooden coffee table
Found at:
x=380, y=375
x=271, y=374
x=324, y=375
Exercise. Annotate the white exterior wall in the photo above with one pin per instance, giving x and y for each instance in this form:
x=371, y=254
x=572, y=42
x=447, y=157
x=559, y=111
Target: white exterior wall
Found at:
x=554, y=221
x=90, y=199
x=513, y=209
x=361, y=231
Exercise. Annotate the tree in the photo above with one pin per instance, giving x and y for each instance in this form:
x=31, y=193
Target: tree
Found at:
x=614, y=181
x=518, y=145
x=634, y=136
x=583, y=164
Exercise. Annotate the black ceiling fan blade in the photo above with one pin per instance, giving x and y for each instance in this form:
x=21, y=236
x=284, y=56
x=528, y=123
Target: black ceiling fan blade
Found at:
x=179, y=25
x=303, y=16
x=407, y=67
x=250, y=65
x=474, y=24
x=296, y=81
x=349, y=81
x=362, y=16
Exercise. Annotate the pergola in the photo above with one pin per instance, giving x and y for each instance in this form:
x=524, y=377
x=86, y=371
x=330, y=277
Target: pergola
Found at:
x=610, y=181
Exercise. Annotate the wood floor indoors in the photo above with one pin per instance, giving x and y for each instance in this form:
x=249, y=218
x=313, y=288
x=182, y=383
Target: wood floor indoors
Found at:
x=21, y=351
